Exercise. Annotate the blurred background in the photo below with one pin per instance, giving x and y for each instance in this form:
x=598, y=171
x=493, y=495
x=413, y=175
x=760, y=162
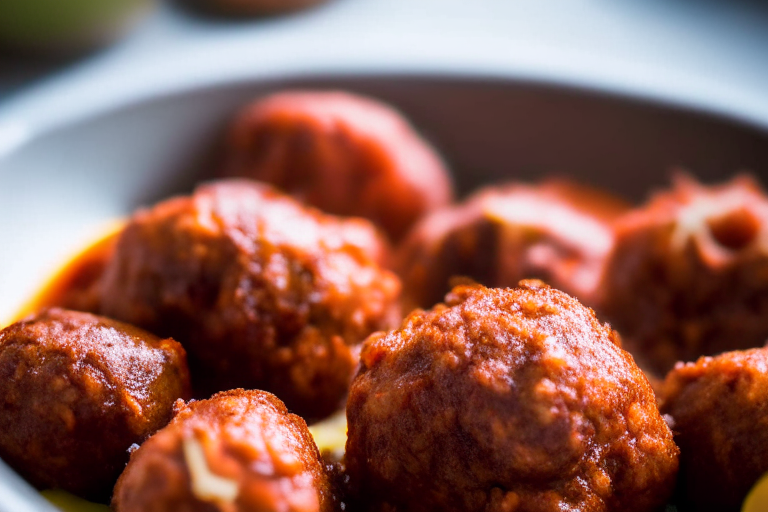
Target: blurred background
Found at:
x=699, y=51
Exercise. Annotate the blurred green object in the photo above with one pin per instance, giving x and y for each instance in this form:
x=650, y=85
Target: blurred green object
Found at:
x=69, y=503
x=66, y=26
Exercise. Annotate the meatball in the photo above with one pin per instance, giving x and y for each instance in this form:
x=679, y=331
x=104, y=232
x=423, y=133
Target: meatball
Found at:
x=238, y=451
x=263, y=292
x=556, y=231
x=505, y=400
x=76, y=391
x=719, y=406
x=689, y=273
x=345, y=154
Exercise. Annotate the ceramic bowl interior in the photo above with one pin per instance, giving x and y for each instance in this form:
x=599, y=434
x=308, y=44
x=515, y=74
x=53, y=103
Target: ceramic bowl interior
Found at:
x=57, y=189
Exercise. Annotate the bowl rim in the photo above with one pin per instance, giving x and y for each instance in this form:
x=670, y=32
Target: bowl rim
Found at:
x=79, y=94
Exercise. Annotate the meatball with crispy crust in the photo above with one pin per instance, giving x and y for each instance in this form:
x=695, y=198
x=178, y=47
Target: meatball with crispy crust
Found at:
x=238, y=451
x=689, y=273
x=505, y=400
x=556, y=231
x=76, y=391
x=719, y=406
x=262, y=292
x=345, y=154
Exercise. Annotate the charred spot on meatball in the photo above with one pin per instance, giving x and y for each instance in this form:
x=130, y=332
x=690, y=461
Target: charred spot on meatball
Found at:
x=688, y=275
x=556, y=231
x=342, y=153
x=505, y=399
x=76, y=391
x=719, y=408
x=262, y=292
x=237, y=451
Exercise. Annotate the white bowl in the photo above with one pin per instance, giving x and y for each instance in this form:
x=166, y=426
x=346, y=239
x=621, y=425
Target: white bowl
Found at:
x=60, y=185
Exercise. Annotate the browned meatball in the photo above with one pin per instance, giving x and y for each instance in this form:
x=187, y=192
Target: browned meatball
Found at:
x=689, y=273
x=252, y=7
x=557, y=231
x=238, y=451
x=342, y=153
x=720, y=411
x=505, y=400
x=76, y=391
x=263, y=292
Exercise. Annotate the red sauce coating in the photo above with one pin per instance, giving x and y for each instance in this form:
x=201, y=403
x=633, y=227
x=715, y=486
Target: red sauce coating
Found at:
x=76, y=285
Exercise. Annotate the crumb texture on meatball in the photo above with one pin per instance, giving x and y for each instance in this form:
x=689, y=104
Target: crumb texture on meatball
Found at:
x=76, y=391
x=688, y=275
x=343, y=153
x=719, y=406
x=263, y=292
x=237, y=451
x=556, y=231
x=505, y=400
